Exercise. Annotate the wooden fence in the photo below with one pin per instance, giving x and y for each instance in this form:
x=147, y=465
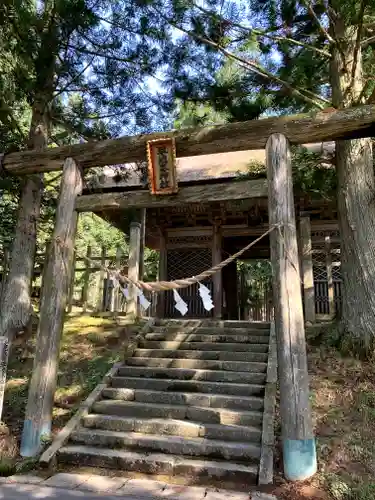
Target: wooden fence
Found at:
x=91, y=289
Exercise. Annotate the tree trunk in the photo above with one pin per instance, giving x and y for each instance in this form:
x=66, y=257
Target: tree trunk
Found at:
x=356, y=196
x=16, y=301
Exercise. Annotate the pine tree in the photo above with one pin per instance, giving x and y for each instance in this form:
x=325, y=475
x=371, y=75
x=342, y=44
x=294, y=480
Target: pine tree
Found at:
x=79, y=69
x=293, y=56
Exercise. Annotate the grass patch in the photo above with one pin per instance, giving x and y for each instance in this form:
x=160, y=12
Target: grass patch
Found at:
x=89, y=347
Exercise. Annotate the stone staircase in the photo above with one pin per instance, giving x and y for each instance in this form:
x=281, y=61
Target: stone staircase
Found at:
x=189, y=402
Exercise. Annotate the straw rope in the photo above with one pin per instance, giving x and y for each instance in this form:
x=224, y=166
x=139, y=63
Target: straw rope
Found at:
x=159, y=286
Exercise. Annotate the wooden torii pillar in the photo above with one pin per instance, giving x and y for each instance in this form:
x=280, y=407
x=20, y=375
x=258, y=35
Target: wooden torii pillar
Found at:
x=299, y=452
x=57, y=277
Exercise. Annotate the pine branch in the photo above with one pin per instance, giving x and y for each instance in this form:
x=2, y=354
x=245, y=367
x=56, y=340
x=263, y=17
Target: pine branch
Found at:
x=74, y=78
x=313, y=14
x=368, y=41
x=265, y=34
x=99, y=54
x=253, y=66
x=7, y=112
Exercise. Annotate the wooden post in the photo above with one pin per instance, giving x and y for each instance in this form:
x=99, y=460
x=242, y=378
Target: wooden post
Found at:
x=72, y=284
x=331, y=290
x=4, y=271
x=100, y=286
x=133, y=272
x=216, y=278
x=307, y=268
x=299, y=451
x=86, y=279
x=143, y=242
x=162, y=272
x=55, y=290
x=116, y=288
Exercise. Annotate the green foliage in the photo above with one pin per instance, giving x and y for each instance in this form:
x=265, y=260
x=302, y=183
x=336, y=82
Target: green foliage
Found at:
x=340, y=489
x=256, y=279
x=277, y=52
x=94, y=231
x=7, y=467
x=362, y=492
x=312, y=173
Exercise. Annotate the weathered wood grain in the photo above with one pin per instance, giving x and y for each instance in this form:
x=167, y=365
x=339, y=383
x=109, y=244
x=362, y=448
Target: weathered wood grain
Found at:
x=53, y=302
x=237, y=190
x=323, y=126
x=86, y=280
x=133, y=308
x=289, y=321
x=307, y=268
x=217, y=277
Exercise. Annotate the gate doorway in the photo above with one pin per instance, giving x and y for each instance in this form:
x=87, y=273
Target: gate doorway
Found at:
x=255, y=290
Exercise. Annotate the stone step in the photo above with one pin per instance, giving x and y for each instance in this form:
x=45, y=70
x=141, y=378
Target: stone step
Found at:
x=179, y=412
x=239, y=330
x=191, y=374
x=174, y=427
x=258, y=346
x=163, y=464
x=261, y=356
x=234, y=389
x=206, y=337
x=199, y=364
x=205, y=330
x=174, y=445
x=187, y=399
x=213, y=323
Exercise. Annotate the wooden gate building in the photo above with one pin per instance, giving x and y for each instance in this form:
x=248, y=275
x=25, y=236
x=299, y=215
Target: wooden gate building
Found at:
x=221, y=206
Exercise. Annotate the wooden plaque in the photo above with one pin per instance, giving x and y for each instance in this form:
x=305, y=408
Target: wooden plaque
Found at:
x=161, y=156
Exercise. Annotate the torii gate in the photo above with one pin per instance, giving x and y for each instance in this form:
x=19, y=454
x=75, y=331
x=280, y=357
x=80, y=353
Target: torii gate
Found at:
x=274, y=134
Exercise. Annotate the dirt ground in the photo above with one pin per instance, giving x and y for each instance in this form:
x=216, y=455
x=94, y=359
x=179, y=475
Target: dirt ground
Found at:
x=343, y=401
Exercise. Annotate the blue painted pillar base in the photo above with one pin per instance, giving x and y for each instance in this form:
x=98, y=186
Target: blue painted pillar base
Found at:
x=299, y=458
x=32, y=438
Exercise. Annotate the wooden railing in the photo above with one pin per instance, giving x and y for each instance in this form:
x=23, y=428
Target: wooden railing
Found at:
x=90, y=288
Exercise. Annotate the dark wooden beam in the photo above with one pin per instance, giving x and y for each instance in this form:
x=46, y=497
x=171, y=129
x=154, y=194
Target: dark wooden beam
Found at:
x=235, y=190
x=299, y=129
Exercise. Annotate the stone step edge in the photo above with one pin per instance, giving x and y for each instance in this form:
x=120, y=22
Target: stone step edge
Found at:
x=188, y=352
x=159, y=463
x=144, y=441
x=126, y=390
x=261, y=365
x=250, y=413
x=204, y=346
x=206, y=332
x=201, y=427
x=259, y=387
x=192, y=372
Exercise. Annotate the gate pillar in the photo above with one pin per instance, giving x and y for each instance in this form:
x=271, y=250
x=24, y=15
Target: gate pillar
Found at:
x=298, y=441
